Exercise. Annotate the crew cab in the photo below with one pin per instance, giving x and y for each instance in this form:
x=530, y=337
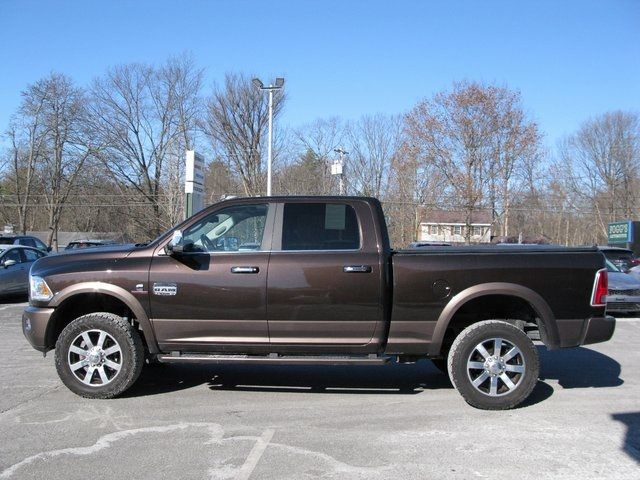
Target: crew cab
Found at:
x=313, y=280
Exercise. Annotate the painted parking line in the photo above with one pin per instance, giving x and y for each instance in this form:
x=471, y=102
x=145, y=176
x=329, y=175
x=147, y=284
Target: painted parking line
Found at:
x=254, y=456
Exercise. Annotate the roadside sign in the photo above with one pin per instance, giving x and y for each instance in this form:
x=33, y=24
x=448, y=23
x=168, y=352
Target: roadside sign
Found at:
x=194, y=183
x=620, y=232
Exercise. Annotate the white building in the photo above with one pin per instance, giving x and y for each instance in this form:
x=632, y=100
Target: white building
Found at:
x=451, y=226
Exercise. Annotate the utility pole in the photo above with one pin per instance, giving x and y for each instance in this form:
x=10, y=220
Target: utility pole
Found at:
x=337, y=168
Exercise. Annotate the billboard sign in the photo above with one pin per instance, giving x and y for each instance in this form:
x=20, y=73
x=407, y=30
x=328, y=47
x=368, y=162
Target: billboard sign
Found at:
x=620, y=232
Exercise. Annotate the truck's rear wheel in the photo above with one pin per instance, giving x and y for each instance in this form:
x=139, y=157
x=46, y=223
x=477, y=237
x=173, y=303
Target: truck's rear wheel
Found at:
x=99, y=355
x=494, y=365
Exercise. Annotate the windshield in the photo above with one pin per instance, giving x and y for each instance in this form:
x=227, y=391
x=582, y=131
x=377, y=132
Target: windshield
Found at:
x=612, y=268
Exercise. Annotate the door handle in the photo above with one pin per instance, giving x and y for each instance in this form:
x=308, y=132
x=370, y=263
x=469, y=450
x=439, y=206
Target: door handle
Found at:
x=245, y=269
x=357, y=269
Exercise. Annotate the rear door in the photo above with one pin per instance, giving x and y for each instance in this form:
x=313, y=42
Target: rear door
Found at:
x=325, y=279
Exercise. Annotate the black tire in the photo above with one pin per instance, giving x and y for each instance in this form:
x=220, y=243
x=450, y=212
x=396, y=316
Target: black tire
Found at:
x=128, y=357
x=466, y=364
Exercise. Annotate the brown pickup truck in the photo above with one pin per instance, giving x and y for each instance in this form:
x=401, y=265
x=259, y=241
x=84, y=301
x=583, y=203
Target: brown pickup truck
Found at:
x=313, y=280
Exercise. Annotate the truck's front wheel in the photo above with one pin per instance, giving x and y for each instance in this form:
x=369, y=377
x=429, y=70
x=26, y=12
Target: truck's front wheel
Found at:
x=493, y=364
x=99, y=355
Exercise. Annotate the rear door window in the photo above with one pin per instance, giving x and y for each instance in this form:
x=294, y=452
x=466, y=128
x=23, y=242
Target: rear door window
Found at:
x=320, y=226
x=31, y=255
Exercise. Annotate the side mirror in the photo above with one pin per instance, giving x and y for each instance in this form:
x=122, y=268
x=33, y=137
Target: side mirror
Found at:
x=8, y=263
x=49, y=249
x=174, y=247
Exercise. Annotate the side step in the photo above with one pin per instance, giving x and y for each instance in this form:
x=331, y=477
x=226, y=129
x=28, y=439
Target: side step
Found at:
x=274, y=359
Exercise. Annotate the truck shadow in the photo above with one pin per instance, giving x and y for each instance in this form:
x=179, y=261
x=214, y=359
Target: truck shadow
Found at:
x=579, y=368
x=574, y=368
x=394, y=378
x=14, y=298
x=632, y=438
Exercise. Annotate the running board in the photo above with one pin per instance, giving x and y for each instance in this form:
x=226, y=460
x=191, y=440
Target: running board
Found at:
x=273, y=359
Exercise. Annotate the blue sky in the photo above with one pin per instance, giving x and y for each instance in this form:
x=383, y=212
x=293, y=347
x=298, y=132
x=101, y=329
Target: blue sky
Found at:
x=570, y=59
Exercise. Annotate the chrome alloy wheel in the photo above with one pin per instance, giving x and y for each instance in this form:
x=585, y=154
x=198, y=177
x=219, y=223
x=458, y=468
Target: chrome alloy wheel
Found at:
x=95, y=358
x=499, y=372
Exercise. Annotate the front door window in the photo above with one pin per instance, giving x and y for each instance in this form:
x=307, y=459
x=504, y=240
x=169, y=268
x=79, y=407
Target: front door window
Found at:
x=233, y=229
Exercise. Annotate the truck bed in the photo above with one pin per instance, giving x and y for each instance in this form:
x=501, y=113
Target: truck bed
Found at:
x=431, y=283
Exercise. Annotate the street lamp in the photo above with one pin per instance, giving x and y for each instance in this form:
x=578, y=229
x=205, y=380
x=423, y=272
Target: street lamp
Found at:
x=279, y=84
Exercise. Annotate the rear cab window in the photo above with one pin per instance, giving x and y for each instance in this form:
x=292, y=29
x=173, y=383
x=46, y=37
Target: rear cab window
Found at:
x=320, y=226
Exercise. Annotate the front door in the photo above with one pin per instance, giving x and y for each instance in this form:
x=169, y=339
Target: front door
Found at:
x=212, y=296
x=14, y=277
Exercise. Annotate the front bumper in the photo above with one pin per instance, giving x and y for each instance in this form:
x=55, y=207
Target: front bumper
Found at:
x=34, y=326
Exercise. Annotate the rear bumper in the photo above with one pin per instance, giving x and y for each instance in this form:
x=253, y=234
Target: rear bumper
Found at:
x=599, y=329
x=34, y=326
x=578, y=331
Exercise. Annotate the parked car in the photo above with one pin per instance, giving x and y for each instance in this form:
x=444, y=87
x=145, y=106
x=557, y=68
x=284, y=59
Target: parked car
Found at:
x=76, y=244
x=25, y=240
x=318, y=284
x=15, y=262
x=624, y=291
x=622, y=258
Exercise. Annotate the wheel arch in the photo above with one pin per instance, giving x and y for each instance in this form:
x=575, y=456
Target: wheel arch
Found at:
x=83, y=298
x=546, y=320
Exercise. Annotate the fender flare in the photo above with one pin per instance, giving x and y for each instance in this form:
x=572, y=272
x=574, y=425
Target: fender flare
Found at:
x=548, y=328
x=119, y=293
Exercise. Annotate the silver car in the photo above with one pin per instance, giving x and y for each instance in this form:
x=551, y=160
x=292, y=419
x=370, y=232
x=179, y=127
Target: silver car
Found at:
x=624, y=291
x=15, y=262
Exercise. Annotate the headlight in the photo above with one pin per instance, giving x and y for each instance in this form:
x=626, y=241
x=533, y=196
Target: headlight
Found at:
x=39, y=290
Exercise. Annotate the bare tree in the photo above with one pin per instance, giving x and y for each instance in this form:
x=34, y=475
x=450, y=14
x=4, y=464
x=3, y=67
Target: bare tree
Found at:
x=478, y=137
x=236, y=120
x=453, y=132
x=66, y=147
x=604, y=159
x=374, y=141
x=27, y=134
x=515, y=144
x=146, y=118
x=315, y=144
x=416, y=186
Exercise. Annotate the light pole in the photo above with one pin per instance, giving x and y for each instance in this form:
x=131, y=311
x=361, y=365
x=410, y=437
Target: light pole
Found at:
x=338, y=167
x=279, y=84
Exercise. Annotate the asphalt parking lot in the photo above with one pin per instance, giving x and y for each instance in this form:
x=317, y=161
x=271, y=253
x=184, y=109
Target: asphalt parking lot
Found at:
x=263, y=422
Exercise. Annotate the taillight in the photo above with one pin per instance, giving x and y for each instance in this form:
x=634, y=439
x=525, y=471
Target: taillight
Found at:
x=600, y=287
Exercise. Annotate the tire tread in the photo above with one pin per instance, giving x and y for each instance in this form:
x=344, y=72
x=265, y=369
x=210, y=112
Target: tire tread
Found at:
x=131, y=373
x=533, y=366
